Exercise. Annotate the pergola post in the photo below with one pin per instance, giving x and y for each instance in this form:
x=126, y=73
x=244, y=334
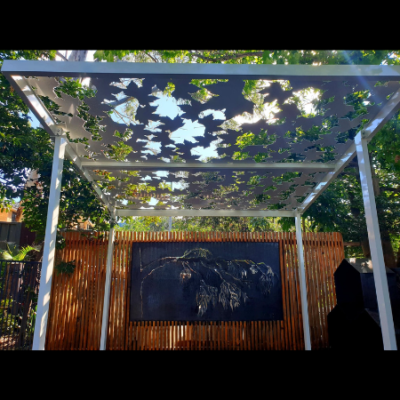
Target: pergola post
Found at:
x=49, y=247
x=375, y=244
x=107, y=288
x=303, y=285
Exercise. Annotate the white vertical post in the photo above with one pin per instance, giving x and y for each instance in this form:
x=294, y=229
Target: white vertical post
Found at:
x=49, y=246
x=375, y=244
x=107, y=289
x=303, y=284
x=169, y=227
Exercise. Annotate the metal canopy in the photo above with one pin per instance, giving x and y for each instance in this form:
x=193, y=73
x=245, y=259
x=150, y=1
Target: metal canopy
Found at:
x=222, y=140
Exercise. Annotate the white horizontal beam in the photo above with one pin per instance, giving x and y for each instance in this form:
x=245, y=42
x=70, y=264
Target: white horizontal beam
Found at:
x=241, y=71
x=108, y=165
x=203, y=213
x=369, y=131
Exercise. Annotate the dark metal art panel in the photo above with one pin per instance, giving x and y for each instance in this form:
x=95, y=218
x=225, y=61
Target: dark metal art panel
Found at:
x=19, y=288
x=190, y=281
x=212, y=120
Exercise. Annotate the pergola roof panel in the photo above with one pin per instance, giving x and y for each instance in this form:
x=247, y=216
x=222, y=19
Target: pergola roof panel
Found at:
x=211, y=127
x=212, y=189
x=134, y=111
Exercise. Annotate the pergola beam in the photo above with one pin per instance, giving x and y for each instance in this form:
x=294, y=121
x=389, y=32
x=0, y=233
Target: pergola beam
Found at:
x=203, y=213
x=185, y=70
x=110, y=165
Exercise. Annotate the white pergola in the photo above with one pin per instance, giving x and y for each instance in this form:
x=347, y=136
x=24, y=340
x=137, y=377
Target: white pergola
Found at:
x=315, y=147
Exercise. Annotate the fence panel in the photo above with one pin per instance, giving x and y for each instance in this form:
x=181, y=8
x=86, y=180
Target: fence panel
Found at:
x=19, y=283
x=77, y=300
x=76, y=304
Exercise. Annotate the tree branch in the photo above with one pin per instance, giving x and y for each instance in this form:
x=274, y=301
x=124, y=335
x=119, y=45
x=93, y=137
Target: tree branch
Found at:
x=154, y=59
x=119, y=102
x=388, y=189
x=228, y=57
x=61, y=56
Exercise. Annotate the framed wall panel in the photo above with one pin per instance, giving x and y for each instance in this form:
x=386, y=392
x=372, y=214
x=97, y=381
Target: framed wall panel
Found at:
x=192, y=281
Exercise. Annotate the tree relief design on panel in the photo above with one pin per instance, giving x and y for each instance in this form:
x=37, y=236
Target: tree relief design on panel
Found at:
x=219, y=280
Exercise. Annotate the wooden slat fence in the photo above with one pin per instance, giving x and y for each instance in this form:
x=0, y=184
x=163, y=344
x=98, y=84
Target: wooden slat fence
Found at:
x=77, y=301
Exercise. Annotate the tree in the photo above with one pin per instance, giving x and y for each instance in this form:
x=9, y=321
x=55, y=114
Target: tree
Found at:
x=144, y=224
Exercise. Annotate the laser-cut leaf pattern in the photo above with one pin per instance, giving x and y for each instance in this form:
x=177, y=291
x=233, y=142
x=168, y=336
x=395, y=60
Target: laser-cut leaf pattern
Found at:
x=211, y=120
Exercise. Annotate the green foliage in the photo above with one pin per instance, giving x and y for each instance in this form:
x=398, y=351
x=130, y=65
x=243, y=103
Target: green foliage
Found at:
x=118, y=151
x=133, y=189
x=165, y=186
x=17, y=254
x=105, y=174
x=73, y=88
x=250, y=139
x=82, y=140
x=226, y=224
x=144, y=224
x=78, y=202
x=169, y=89
x=91, y=122
x=202, y=95
x=66, y=267
x=307, y=57
x=125, y=135
x=201, y=83
x=53, y=107
x=8, y=320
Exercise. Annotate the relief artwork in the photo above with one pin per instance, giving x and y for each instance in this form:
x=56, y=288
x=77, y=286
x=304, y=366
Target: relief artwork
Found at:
x=225, y=281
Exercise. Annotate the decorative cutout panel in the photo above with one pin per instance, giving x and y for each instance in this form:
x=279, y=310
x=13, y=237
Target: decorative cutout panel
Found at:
x=155, y=119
